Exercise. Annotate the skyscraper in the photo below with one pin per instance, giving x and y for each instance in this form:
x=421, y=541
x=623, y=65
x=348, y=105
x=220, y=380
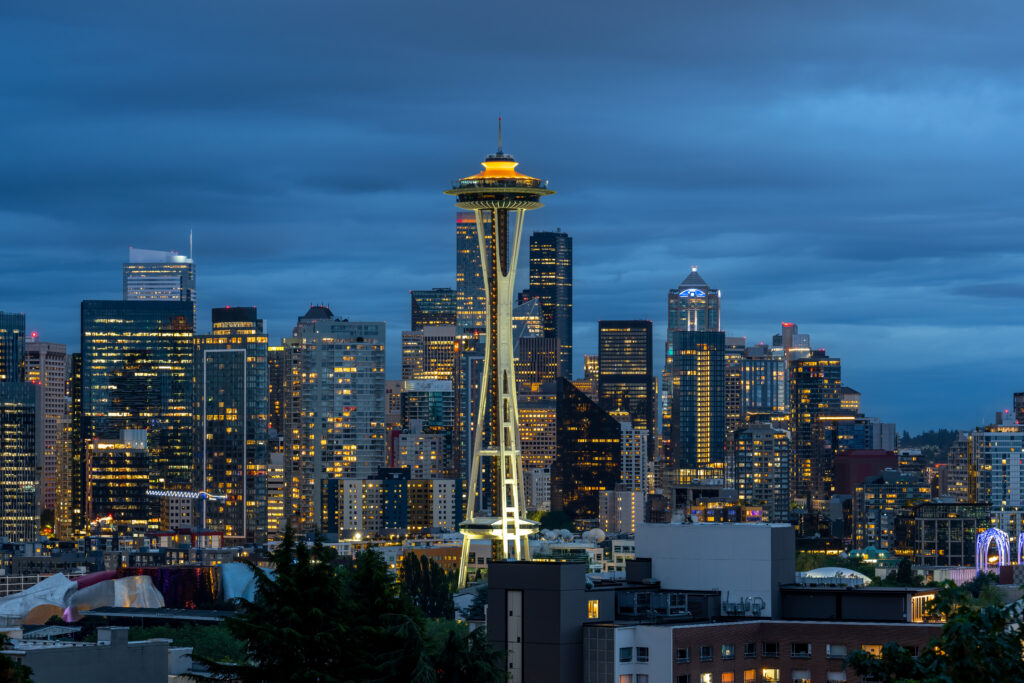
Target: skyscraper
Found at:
x=340, y=430
x=626, y=372
x=232, y=416
x=501, y=194
x=433, y=307
x=429, y=353
x=470, y=293
x=760, y=469
x=21, y=449
x=693, y=308
x=589, y=444
x=764, y=383
x=551, y=281
x=46, y=366
x=536, y=361
x=153, y=275
x=815, y=391
x=118, y=479
x=12, y=347
x=137, y=373
x=697, y=413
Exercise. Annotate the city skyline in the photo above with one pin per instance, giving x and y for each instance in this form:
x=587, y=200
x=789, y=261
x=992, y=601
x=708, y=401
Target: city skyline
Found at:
x=837, y=196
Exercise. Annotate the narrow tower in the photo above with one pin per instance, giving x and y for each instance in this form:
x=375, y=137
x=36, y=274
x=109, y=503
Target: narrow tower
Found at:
x=499, y=196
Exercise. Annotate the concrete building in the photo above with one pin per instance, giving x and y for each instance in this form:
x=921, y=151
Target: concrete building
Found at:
x=111, y=659
x=759, y=461
x=621, y=510
x=752, y=560
x=46, y=365
x=537, y=488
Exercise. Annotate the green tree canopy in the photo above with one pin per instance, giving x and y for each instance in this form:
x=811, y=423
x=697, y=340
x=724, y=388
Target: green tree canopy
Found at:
x=12, y=671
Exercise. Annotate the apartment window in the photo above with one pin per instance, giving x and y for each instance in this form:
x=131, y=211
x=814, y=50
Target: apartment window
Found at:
x=770, y=676
x=728, y=652
x=642, y=654
x=800, y=650
x=593, y=608
x=834, y=651
x=750, y=676
x=749, y=649
x=837, y=676
x=625, y=654
x=683, y=678
x=705, y=653
x=769, y=650
x=683, y=655
x=625, y=678
x=873, y=650
x=641, y=678
x=707, y=678
x=803, y=676
x=728, y=677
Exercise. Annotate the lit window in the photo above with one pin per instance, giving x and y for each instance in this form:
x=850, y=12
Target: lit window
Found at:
x=728, y=651
x=770, y=676
x=728, y=677
x=592, y=609
x=625, y=678
x=750, y=676
x=873, y=650
x=707, y=678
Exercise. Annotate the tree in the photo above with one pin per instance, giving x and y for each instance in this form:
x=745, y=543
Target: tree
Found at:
x=980, y=641
x=467, y=657
x=294, y=630
x=476, y=608
x=428, y=586
x=556, y=519
x=11, y=670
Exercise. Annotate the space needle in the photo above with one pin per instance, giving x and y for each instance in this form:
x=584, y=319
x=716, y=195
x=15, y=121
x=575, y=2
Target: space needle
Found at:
x=499, y=196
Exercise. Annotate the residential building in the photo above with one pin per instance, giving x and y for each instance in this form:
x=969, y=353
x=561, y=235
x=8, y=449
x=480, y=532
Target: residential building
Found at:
x=760, y=469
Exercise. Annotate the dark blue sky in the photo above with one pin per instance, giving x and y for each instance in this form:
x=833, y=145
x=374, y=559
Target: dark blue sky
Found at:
x=852, y=167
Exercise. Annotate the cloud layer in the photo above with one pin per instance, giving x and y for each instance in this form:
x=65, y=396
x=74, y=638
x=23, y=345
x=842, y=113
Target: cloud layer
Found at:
x=853, y=168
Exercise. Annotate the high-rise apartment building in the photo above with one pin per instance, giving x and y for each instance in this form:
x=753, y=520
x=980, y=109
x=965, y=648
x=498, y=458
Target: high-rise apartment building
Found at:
x=764, y=383
x=995, y=454
x=232, y=418
x=697, y=409
x=815, y=393
x=433, y=307
x=538, y=421
x=735, y=348
x=46, y=365
x=470, y=294
x=12, y=347
x=551, y=281
x=137, y=373
x=760, y=469
x=341, y=414
x=589, y=443
x=153, y=275
x=626, y=372
x=21, y=451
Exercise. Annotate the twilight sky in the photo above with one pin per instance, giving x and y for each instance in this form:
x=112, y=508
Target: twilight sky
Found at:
x=852, y=167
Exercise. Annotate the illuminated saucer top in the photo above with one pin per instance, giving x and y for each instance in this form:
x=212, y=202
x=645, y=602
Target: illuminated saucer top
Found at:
x=499, y=185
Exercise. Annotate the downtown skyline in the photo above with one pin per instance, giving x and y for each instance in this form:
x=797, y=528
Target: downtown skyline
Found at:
x=836, y=193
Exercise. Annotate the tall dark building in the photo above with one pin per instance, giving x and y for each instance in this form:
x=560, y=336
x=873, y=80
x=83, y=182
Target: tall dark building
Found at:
x=137, y=373
x=536, y=360
x=76, y=516
x=626, y=372
x=232, y=417
x=12, y=347
x=21, y=459
x=433, y=307
x=735, y=348
x=815, y=392
x=588, y=453
x=697, y=412
x=551, y=280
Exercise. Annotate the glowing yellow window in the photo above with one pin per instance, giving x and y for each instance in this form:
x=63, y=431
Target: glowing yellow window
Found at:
x=873, y=650
x=592, y=609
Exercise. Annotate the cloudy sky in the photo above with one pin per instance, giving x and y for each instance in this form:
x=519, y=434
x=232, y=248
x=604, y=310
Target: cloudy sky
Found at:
x=852, y=167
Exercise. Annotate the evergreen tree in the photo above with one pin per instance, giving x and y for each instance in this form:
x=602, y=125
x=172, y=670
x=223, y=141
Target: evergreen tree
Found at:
x=428, y=586
x=12, y=671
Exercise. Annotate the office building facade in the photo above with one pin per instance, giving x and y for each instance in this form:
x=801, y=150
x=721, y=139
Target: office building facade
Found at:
x=433, y=308
x=626, y=372
x=46, y=365
x=21, y=451
x=12, y=347
x=551, y=281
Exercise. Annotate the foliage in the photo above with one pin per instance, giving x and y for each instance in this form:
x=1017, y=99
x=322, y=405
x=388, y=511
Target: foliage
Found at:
x=933, y=444
x=806, y=561
x=979, y=642
x=428, y=586
x=556, y=519
x=476, y=608
x=213, y=642
x=12, y=671
x=902, y=576
x=316, y=621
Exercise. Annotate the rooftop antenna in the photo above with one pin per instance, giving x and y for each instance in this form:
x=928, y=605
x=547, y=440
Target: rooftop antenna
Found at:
x=190, y=244
x=499, y=135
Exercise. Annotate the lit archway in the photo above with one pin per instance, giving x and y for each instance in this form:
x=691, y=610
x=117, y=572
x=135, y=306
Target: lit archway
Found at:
x=985, y=539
